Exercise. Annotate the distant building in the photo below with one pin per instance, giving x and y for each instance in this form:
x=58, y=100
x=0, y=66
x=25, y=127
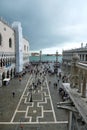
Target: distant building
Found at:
x=35, y=54
x=14, y=50
x=67, y=56
x=26, y=49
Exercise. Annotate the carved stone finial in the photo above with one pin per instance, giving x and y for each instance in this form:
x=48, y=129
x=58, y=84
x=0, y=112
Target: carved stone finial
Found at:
x=75, y=57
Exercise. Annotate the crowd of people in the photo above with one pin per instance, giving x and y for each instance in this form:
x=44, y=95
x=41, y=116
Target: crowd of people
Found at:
x=42, y=70
x=39, y=72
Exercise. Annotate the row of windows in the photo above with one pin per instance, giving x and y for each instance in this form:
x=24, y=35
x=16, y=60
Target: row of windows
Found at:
x=10, y=41
x=6, y=61
x=83, y=57
x=25, y=48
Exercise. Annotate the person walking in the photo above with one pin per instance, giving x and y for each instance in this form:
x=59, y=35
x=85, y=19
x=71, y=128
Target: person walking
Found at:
x=13, y=93
x=20, y=78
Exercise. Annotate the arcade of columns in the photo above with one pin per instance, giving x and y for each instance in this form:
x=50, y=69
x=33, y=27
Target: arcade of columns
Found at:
x=78, y=76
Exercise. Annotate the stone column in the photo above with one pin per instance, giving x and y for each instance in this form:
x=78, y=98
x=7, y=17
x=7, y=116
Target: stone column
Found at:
x=80, y=79
x=81, y=57
x=56, y=56
x=74, y=71
x=84, y=85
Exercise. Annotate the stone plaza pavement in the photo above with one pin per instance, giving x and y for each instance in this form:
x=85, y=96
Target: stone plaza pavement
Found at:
x=18, y=112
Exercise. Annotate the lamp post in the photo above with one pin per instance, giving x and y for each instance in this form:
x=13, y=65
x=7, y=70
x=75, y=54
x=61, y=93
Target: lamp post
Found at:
x=56, y=64
x=56, y=57
x=40, y=55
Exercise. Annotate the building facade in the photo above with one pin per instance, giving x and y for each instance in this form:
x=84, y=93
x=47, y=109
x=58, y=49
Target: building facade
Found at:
x=68, y=54
x=25, y=52
x=76, y=87
x=14, y=50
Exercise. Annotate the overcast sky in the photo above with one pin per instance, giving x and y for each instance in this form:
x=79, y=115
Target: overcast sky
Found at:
x=49, y=25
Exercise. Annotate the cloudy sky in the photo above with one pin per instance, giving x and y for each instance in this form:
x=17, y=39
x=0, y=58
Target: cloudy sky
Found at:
x=49, y=25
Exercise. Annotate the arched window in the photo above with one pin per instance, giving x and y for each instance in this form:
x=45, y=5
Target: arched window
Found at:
x=10, y=42
x=0, y=39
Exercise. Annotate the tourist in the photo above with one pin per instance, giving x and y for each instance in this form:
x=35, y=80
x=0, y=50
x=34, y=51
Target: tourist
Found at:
x=49, y=82
x=20, y=78
x=13, y=93
x=21, y=126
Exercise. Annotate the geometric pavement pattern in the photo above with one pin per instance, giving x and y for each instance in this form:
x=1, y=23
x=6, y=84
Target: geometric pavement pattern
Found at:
x=39, y=110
